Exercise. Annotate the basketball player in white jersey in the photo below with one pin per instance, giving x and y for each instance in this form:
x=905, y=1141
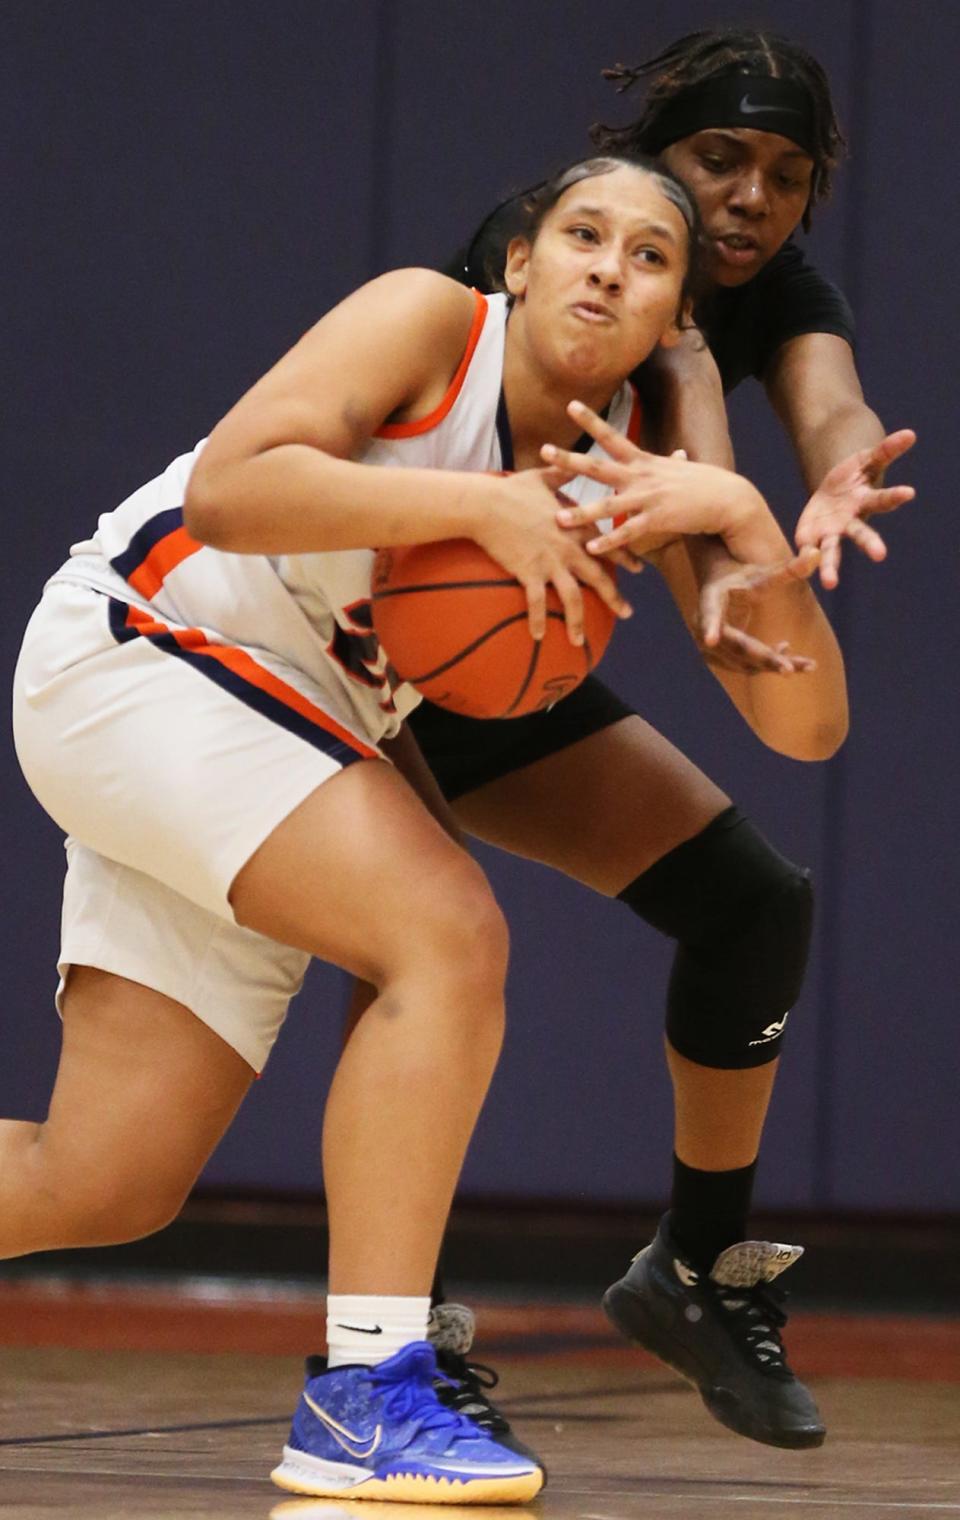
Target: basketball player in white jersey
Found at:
x=194, y=696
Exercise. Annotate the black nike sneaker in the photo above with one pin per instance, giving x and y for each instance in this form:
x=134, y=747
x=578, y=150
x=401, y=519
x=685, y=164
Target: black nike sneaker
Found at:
x=722, y=1333
x=465, y=1384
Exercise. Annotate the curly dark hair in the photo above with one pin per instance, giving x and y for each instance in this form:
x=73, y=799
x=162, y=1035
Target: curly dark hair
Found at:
x=708, y=55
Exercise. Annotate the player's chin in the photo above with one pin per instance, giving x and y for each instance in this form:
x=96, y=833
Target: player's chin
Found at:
x=730, y=275
x=592, y=367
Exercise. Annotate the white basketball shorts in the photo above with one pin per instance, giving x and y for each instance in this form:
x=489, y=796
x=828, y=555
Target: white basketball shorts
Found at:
x=168, y=759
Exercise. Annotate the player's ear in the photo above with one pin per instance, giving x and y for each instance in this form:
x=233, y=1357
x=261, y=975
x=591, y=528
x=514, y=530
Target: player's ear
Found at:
x=516, y=268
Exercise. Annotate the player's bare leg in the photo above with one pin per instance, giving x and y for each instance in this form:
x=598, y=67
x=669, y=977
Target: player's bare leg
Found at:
x=363, y=876
x=603, y=811
x=615, y=811
x=145, y=1090
x=718, y=1115
x=143, y=1093
x=382, y=890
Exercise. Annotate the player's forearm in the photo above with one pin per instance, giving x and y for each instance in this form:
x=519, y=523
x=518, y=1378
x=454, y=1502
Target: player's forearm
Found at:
x=789, y=612
x=805, y=715
x=692, y=413
x=294, y=499
x=821, y=445
x=690, y=419
x=693, y=417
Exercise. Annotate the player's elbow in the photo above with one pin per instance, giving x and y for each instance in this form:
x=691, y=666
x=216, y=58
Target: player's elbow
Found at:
x=820, y=741
x=205, y=514
x=833, y=736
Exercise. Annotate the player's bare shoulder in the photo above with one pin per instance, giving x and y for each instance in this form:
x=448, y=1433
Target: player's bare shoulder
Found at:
x=386, y=352
x=436, y=310
x=414, y=301
x=405, y=332
x=425, y=318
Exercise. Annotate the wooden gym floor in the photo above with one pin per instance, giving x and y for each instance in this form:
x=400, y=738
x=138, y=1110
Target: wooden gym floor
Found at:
x=157, y=1402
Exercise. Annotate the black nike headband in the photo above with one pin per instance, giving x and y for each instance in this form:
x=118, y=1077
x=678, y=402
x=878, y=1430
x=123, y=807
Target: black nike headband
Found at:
x=736, y=100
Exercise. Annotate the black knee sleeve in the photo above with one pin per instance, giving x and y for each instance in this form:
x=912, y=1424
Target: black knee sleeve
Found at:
x=742, y=916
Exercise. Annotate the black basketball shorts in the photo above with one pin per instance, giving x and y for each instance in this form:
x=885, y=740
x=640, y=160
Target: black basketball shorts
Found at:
x=466, y=753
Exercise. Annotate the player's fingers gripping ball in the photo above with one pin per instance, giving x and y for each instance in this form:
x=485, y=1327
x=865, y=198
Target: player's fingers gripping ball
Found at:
x=454, y=624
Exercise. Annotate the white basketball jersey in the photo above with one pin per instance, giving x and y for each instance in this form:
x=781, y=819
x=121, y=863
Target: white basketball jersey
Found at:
x=312, y=610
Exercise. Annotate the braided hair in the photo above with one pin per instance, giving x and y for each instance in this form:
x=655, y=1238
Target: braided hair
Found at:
x=710, y=55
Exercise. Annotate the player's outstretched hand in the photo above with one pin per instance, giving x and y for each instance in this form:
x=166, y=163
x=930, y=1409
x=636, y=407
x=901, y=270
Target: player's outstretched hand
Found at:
x=660, y=498
x=728, y=593
x=845, y=498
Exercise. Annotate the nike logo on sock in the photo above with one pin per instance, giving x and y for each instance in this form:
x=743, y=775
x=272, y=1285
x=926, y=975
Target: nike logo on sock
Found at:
x=362, y=1329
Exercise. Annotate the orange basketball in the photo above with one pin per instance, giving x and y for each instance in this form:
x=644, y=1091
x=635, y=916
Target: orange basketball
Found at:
x=454, y=624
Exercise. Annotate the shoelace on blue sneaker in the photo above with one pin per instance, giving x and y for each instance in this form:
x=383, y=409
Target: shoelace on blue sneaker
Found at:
x=463, y=1386
x=409, y=1394
x=755, y=1317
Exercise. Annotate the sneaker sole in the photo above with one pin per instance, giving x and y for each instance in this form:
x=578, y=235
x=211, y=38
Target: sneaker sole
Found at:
x=626, y=1311
x=723, y=1405
x=296, y=1477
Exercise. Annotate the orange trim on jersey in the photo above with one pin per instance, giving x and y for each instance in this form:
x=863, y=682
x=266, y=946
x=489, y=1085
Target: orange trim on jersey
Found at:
x=434, y=418
x=242, y=665
x=165, y=555
x=635, y=423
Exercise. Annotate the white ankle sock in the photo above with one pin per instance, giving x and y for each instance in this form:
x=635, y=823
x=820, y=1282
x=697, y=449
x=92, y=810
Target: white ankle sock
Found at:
x=367, y=1328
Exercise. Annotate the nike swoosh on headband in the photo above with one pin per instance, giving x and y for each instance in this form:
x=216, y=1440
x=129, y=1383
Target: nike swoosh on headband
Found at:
x=749, y=109
x=362, y=1329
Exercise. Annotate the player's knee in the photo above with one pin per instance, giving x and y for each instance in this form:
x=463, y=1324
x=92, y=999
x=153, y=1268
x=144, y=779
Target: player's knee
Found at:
x=113, y=1212
x=133, y=1218
x=114, y=1219
x=465, y=926
x=730, y=997
x=742, y=915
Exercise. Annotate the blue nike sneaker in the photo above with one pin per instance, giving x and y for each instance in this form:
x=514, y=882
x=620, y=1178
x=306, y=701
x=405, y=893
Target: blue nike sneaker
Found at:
x=382, y=1433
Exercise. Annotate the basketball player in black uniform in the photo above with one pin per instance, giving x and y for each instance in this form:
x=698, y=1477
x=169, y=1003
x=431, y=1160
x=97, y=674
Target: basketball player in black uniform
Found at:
x=746, y=118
